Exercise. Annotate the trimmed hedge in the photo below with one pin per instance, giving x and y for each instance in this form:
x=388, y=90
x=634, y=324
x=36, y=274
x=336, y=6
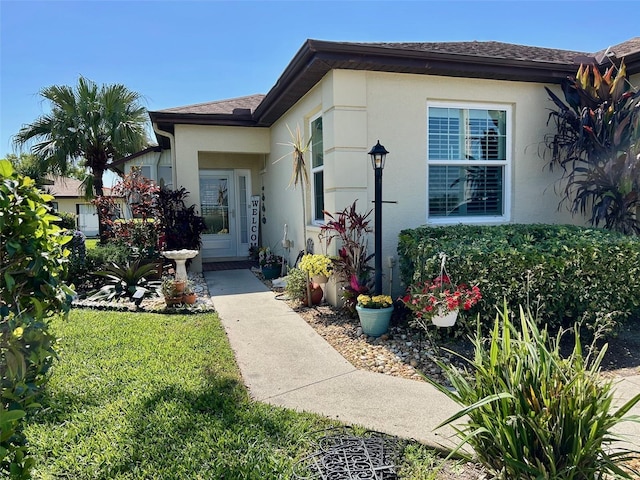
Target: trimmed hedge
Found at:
x=563, y=273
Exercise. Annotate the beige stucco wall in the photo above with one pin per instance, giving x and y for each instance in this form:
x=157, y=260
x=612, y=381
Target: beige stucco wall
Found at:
x=68, y=205
x=360, y=108
x=197, y=145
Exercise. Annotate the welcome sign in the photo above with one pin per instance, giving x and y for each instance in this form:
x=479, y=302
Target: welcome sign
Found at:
x=254, y=220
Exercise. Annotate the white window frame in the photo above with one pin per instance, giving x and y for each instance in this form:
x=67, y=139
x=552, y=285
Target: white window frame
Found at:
x=506, y=164
x=315, y=170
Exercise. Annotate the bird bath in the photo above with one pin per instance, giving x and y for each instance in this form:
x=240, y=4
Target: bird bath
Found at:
x=180, y=257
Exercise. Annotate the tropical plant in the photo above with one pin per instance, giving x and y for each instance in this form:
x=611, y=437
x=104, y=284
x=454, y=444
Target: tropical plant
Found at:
x=351, y=266
x=142, y=233
x=32, y=264
x=95, y=125
x=532, y=413
x=183, y=227
x=300, y=176
x=375, y=301
x=316, y=264
x=596, y=144
x=127, y=281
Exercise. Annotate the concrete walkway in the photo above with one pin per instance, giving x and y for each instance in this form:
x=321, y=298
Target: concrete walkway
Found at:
x=285, y=362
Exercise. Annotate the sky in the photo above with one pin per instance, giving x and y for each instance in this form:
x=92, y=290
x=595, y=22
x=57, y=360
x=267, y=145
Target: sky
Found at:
x=177, y=53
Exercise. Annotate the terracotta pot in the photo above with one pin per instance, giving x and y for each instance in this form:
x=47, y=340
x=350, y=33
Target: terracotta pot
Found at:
x=179, y=286
x=172, y=301
x=316, y=295
x=189, y=298
x=317, y=279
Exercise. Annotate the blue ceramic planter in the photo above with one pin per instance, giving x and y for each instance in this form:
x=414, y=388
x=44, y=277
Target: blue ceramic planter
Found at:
x=374, y=321
x=271, y=272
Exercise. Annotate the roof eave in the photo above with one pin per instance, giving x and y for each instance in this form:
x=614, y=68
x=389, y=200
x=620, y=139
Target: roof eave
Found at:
x=316, y=58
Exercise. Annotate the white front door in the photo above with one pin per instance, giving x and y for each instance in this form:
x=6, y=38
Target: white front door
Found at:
x=224, y=203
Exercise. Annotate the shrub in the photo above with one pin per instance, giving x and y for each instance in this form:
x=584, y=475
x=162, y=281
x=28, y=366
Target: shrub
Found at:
x=67, y=220
x=77, y=256
x=32, y=263
x=296, y=286
x=102, y=255
x=556, y=269
x=533, y=414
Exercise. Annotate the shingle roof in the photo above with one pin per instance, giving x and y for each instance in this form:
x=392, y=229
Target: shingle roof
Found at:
x=488, y=49
x=67, y=187
x=624, y=49
x=221, y=107
x=475, y=59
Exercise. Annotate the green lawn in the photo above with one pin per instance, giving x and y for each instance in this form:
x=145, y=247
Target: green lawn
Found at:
x=149, y=396
x=146, y=396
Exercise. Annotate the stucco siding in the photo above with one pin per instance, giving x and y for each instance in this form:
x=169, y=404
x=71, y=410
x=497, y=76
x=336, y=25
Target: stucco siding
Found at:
x=283, y=203
x=359, y=108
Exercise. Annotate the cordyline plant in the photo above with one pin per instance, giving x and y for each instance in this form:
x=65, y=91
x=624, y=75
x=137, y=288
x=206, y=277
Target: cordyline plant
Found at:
x=351, y=265
x=532, y=413
x=597, y=146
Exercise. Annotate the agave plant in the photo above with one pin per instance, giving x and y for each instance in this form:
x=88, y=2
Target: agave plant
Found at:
x=127, y=281
x=597, y=146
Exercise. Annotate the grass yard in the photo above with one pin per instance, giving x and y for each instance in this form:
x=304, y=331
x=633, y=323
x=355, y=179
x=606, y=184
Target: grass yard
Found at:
x=91, y=243
x=149, y=396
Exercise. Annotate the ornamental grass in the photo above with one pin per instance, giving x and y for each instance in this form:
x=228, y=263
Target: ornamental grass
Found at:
x=532, y=414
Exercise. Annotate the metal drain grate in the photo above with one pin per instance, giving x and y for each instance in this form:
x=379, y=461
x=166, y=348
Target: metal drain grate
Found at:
x=342, y=455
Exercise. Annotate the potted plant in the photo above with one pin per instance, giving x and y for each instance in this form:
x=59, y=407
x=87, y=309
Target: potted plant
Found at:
x=189, y=296
x=351, y=266
x=439, y=300
x=374, y=313
x=270, y=264
x=317, y=266
x=296, y=287
x=172, y=290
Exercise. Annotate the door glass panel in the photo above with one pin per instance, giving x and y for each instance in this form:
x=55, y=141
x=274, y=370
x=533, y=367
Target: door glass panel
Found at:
x=214, y=198
x=244, y=209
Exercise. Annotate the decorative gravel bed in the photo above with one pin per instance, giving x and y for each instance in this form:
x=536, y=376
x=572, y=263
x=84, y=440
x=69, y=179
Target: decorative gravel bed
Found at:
x=156, y=303
x=401, y=352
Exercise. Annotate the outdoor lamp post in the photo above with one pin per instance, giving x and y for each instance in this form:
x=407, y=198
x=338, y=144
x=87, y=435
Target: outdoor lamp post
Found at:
x=378, y=155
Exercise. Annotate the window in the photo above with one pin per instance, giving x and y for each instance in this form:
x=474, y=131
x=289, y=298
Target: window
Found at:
x=165, y=176
x=317, y=169
x=469, y=162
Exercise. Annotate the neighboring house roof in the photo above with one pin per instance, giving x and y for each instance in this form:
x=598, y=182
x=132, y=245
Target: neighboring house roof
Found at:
x=234, y=106
x=491, y=60
x=118, y=164
x=67, y=187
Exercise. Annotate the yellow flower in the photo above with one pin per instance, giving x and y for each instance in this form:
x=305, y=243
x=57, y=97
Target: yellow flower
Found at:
x=316, y=264
x=18, y=332
x=376, y=301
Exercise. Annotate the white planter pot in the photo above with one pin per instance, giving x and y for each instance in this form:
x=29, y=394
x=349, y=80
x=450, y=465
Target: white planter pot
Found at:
x=447, y=319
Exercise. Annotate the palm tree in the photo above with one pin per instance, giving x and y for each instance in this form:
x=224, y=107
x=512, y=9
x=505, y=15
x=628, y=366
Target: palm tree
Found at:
x=88, y=124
